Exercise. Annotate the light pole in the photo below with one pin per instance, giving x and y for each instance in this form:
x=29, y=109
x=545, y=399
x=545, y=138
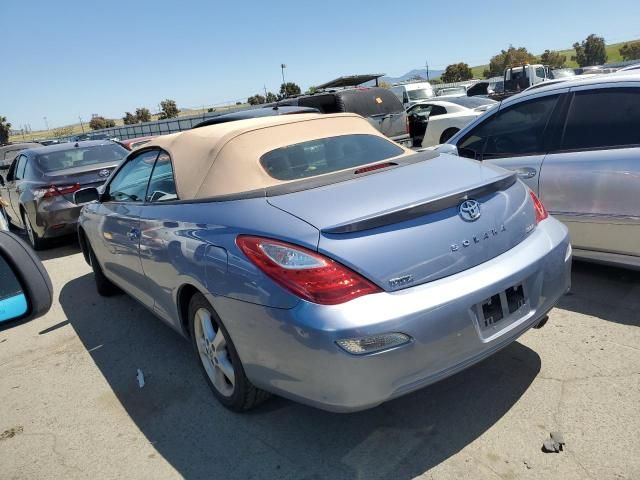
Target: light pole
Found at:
x=426, y=63
x=46, y=122
x=283, y=66
x=81, y=124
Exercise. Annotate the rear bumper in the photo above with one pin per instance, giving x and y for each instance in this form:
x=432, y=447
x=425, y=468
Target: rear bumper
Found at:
x=293, y=352
x=56, y=218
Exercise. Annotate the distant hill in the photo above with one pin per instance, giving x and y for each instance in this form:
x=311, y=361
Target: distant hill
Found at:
x=419, y=73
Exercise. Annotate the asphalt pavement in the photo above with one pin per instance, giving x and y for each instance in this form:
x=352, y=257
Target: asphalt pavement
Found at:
x=71, y=406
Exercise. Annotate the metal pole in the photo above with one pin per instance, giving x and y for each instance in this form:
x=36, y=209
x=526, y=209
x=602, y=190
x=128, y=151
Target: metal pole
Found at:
x=46, y=122
x=283, y=66
x=81, y=124
x=426, y=62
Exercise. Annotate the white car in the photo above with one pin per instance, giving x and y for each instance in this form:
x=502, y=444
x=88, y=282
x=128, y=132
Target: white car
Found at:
x=434, y=122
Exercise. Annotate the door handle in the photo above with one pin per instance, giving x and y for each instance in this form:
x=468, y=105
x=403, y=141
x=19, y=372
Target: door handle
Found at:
x=133, y=234
x=526, y=172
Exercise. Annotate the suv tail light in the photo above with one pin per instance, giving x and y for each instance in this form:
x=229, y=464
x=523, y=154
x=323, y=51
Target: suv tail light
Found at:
x=305, y=273
x=55, y=190
x=541, y=212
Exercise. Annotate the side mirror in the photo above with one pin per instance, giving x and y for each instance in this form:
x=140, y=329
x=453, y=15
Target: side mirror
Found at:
x=447, y=148
x=25, y=287
x=86, y=195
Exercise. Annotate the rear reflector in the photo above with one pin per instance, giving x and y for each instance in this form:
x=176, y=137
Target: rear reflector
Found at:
x=305, y=273
x=55, y=190
x=373, y=343
x=541, y=212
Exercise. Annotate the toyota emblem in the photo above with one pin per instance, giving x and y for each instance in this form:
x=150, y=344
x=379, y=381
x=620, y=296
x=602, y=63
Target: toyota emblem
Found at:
x=469, y=210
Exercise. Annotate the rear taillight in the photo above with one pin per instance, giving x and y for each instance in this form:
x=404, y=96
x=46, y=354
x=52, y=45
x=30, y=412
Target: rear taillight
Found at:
x=55, y=190
x=305, y=273
x=541, y=212
x=406, y=124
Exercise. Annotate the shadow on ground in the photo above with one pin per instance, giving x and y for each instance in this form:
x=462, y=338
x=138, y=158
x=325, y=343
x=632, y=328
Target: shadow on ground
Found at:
x=179, y=416
x=609, y=293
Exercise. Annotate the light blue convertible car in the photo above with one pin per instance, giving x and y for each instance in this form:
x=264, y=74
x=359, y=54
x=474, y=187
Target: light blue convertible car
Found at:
x=311, y=257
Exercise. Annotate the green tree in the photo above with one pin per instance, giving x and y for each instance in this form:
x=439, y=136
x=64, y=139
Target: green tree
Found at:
x=143, y=114
x=169, y=109
x=506, y=58
x=435, y=81
x=311, y=90
x=5, y=127
x=289, y=89
x=630, y=51
x=591, y=51
x=271, y=97
x=457, y=72
x=98, y=122
x=553, y=59
x=257, y=99
x=129, y=118
x=109, y=123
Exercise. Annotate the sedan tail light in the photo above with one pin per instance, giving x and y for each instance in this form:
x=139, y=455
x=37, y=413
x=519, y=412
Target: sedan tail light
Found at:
x=305, y=273
x=541, y=212
x=55, y=190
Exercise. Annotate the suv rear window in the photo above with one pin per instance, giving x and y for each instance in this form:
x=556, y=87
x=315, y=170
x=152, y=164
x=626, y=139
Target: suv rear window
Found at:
x=81, y=157
x=327, y=155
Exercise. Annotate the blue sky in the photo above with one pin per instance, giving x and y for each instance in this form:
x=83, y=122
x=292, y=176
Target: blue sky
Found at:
x=69, y=58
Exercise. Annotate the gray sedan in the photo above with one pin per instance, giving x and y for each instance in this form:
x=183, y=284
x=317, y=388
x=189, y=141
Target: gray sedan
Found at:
x=576, y=144
x=37, y=191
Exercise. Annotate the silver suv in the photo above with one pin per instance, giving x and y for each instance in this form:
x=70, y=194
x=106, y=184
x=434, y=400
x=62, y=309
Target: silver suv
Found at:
x=576, y=144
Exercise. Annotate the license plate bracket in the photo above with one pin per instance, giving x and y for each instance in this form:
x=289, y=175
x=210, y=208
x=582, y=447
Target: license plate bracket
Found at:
x=501, y=309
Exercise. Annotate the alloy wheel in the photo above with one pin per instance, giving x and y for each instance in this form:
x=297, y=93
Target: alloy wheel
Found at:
x=214, y=354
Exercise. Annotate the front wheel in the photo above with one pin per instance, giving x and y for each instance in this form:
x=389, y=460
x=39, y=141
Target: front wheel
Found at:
x=104, y=286
x=219, y=359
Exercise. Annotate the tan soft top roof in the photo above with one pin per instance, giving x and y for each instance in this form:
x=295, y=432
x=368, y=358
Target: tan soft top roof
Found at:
x=225, y=158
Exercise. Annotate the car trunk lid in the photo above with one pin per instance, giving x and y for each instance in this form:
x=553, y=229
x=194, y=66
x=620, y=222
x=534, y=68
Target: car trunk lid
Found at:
x=403, y=226
x=85, y=176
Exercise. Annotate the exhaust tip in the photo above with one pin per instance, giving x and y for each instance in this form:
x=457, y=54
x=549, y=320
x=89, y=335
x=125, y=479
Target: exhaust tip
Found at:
x=542, y=322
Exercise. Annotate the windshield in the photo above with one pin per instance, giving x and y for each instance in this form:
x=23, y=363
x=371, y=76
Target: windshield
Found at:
x=81, y=157
x=420, y=94
x=327, y=155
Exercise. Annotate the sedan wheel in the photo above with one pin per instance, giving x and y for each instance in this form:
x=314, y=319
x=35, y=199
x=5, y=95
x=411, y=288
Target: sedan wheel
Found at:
x=212, y=346
x=36, y=242
x=219, y=358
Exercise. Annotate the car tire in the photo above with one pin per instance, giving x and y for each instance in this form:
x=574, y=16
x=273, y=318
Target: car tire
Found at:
x=104, y=286
x=36, y=242
x=447, y=134
x=219, y=360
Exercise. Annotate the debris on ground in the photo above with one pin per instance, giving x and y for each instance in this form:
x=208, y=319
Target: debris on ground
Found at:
x=140, y=378
x=12, y=432
x=554, y=444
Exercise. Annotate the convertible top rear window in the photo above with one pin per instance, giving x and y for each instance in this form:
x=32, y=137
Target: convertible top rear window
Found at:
x=327, y=155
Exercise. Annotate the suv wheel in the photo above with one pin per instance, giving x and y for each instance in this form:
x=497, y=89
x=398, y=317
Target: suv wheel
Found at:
x=219, y=359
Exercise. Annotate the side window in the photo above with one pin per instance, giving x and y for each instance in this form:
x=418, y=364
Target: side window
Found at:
x=162, y=186
x=603, y=118
x=130, y=183
x=20, y=166
x=422, y=109
x=405, y=97
x=517, y=130
x=540, y=72
x=438, y=110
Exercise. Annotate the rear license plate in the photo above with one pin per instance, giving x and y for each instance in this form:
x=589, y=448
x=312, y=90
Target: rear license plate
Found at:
x=502, y=308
